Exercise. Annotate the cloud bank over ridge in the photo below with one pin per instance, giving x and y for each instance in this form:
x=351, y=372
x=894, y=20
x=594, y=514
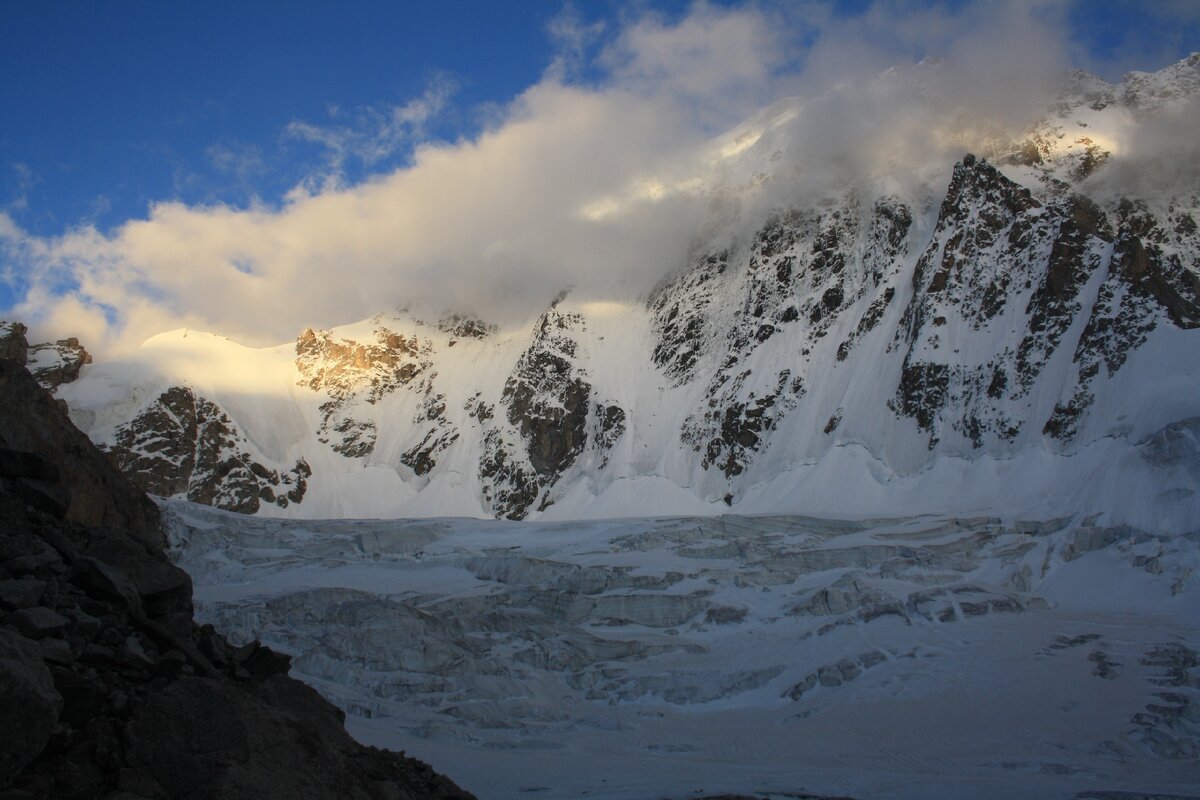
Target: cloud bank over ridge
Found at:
x=598, y=176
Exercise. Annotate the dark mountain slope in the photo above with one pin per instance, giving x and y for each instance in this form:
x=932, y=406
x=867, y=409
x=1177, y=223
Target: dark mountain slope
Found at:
x=108, y=689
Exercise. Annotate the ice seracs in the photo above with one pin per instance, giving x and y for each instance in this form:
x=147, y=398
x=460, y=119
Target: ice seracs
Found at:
x=903, y=657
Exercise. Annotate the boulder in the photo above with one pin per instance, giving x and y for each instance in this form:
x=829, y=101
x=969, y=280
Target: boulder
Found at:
x=37, y=622
x=29, y=704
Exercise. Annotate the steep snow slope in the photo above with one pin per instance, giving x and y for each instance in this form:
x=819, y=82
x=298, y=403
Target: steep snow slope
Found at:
x=1021, y=332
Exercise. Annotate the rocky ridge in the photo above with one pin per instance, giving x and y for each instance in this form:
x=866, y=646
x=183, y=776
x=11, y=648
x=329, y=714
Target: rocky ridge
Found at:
x=548, y=403
x=109, y=689
x=183, y=444
x=352, y=374
x=51, y=363
x=1021, y=307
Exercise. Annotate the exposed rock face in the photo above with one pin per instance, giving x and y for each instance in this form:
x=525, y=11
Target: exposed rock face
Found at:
x=608, y=426
x=546, y=401
x=357, y=376
x=430, y=418
x=99, y=495
x=992, y=312
x=465, y=327
x=354, y=373
x=186, y=445
x=996, y=249
x=548, y=419
x=546, y=397
x=109, y=689
x=52, y=365
x=681, y=315
x=802, y=275
x=1003, y=264
x=1152, y=278
x=13, y=345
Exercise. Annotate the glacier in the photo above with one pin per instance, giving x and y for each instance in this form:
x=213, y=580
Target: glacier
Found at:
x=902, y=657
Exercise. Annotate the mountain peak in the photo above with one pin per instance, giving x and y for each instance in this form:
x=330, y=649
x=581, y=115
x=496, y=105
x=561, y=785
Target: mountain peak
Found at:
x=1024, y=305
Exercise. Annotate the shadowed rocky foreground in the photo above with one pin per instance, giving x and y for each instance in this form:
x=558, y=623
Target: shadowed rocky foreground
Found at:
x=108, y=688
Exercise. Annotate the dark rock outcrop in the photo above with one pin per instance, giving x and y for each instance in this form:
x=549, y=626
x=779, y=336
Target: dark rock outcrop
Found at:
x=54, y=363
x=465, y=327
x=1149, y=282
x=1003, y=263
x=99, y=495
x=800, y=276
x=546, y=400
x=439, y=433
x=185, y=444
x=13, y=345
x=680, y=309
x=107, y=687
x=547, y=396
x=51, y=363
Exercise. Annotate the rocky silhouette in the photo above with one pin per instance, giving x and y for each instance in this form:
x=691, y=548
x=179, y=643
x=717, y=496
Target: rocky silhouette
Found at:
x=108, y=689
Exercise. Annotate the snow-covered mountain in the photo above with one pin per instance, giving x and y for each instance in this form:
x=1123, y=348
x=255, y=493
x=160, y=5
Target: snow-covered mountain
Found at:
x=1019, y=329
x=918, y=461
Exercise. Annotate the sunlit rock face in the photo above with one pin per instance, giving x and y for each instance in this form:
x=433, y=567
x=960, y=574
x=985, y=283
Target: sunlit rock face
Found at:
x=1002, y=322
x=51, y=363
x=351, y=373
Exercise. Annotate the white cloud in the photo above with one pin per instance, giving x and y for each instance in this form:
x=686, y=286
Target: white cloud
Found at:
x=243, y=161
x=372, y=135
x=602, y=186
x=24, y=179
x=719, y=63
x=573, y=39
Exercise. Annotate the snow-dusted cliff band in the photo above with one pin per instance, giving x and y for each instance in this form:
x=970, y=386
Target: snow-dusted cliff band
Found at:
x=1020, y=329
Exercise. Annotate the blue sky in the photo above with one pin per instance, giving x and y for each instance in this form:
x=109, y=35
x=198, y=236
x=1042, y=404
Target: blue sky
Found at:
x=109, y=108
x=113, y=105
